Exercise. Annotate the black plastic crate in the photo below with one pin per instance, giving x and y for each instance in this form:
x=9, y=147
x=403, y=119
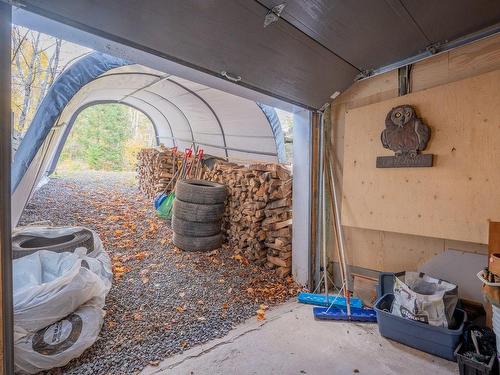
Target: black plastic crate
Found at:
x=467, y=366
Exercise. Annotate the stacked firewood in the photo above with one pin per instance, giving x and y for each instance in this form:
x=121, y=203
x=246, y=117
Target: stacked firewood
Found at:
x=258, y=216
x=155, y=169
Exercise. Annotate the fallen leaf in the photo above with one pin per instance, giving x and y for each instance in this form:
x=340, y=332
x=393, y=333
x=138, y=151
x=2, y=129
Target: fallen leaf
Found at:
x=141, y=255
x=182, y=294
x=261, y=314
x=180, y=309
x=201, y=318
x=137, y=316
x=225, y=306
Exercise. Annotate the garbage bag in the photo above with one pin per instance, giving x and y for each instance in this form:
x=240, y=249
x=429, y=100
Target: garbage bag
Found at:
x=58, y=343
x=165, y=208
x=420, y=297
x=47, y=286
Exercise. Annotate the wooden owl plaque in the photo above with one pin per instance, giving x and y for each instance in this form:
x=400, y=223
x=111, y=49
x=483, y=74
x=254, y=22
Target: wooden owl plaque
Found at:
x=406, y=135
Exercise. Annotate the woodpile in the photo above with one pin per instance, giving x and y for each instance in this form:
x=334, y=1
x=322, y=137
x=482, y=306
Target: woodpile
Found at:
x=155, y=169
x=257, y=220
x=258, y=216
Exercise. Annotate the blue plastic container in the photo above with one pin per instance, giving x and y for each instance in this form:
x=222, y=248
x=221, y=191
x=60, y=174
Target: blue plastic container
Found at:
x=431, y=339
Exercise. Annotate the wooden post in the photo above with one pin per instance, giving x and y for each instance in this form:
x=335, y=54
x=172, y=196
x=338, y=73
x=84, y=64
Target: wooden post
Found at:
x=494, y=238
x=6, y=335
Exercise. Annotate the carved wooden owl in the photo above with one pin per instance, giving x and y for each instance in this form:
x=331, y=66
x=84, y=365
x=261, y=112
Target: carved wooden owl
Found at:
x=404, y=132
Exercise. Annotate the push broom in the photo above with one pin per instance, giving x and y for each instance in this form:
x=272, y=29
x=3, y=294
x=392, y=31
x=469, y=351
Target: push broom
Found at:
x=325, y=299
x=347, y=312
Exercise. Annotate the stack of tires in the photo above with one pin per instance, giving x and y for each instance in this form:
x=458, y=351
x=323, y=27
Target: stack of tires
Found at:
x=197, y=215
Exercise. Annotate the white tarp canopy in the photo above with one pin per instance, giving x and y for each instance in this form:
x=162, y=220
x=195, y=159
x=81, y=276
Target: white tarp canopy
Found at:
x=183, y=114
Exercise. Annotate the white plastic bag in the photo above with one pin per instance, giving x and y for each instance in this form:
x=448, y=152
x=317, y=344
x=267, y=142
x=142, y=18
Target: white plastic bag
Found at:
x=420, y=297
x=58, y=301
x=58, y=343
x=47, y=286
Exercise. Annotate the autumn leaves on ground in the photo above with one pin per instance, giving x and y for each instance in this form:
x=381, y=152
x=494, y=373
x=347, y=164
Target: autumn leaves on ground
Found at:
x=163, y=300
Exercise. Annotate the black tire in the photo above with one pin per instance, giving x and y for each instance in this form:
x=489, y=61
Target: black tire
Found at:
x=197, y=212
x=187, y=243
x=41, y=346
x=23, y=245
x=200, y=191
x=194, y=229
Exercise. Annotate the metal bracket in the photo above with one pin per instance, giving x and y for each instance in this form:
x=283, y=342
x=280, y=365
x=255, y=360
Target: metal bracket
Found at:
x=365, y=73
x=404, y=82
x=435, y=47
x=274, y=14
x=230, y=77
x=324, y=107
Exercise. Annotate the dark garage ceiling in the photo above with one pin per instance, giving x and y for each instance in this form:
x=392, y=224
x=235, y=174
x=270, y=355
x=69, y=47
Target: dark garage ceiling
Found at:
x=316, y=48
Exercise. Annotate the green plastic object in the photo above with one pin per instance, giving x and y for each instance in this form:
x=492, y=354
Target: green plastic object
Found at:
x=165, y=209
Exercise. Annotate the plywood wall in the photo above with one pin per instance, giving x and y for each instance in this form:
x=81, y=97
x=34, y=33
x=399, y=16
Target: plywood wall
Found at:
x=456, y=197
x=385, y=250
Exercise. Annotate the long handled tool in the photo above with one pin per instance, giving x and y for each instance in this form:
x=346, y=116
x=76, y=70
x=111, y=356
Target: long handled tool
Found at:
x=165, y=208
x=160, y=198
x=334, y=312
x=325, y=299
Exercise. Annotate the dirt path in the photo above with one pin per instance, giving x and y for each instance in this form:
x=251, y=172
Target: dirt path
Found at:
x=163, y=301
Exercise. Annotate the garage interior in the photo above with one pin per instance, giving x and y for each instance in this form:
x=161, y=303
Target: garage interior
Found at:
x=340, y=68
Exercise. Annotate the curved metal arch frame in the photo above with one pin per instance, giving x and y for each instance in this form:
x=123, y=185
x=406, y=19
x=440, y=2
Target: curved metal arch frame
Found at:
x=160, y=77
x=178, y=109
x=209, y=107
x=106, y=74
x=275, y=124
x=74, y=117
x=155, y=108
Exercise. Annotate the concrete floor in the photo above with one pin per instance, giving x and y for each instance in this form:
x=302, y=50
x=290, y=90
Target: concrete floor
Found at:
x=290, y=341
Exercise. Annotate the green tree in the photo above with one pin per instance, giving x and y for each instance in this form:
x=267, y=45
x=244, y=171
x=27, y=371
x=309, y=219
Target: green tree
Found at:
x=99, y=136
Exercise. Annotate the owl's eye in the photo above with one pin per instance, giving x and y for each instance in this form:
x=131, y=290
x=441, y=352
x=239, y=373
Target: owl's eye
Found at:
x=398, y=114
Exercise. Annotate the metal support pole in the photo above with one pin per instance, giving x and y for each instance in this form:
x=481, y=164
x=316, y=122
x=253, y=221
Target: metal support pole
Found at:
x=315, y=199
x=323, y=205
x=5, y=200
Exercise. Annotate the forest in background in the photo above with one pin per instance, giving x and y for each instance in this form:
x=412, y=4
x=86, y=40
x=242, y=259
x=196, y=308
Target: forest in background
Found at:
x=106, y=137
x=36, y=63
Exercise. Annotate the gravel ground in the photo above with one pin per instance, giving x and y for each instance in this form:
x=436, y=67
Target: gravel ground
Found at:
x=163, y=300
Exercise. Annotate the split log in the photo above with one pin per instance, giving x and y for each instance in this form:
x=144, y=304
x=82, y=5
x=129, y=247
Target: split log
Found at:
x=258, y=214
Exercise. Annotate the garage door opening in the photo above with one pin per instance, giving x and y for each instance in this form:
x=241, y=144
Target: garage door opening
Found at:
x=163, y=300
